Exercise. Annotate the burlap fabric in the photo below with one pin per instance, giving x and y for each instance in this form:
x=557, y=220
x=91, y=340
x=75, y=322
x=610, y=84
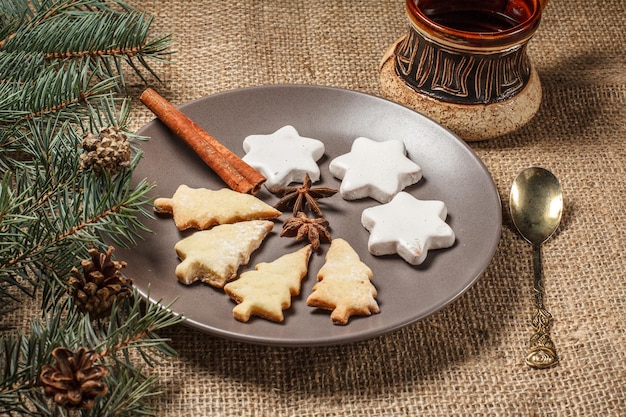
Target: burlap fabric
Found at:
x=468, y=359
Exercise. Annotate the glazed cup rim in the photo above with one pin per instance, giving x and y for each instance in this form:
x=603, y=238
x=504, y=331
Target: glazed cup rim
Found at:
x=513, y=36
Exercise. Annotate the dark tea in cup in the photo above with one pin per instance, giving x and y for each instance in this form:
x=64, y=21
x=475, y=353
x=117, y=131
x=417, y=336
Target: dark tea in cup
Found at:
x=476, y=16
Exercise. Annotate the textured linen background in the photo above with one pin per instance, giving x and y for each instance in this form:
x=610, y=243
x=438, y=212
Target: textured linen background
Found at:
x=466, y=360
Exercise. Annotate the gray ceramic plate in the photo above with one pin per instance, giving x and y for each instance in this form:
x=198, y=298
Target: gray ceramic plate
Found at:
x=451, y=173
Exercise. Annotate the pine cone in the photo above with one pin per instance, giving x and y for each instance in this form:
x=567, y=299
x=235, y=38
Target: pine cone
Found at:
x=110, y=152
x=75, y=381
x=99, y=284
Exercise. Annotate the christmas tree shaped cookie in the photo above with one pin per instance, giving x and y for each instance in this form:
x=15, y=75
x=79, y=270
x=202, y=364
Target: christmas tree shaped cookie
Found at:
x=344, y=285
x=267, y=290
x=213, y=256
x=201, y=208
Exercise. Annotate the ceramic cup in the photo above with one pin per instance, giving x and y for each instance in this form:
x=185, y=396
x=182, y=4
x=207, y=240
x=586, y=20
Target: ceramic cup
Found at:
x=464, y=63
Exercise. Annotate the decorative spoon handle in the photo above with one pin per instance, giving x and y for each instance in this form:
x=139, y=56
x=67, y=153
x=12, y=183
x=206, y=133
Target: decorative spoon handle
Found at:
x=542, y=353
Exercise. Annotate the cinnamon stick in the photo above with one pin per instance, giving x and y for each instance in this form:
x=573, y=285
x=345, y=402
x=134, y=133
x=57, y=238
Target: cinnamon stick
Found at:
x=235, y=172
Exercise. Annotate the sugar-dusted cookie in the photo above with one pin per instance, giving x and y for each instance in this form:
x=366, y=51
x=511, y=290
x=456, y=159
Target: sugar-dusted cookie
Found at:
x=201, y=208
x=213, y=256
x=374, y=169
x=344, y=285
x=283, y=156
x=407, y=226
x=267, y=291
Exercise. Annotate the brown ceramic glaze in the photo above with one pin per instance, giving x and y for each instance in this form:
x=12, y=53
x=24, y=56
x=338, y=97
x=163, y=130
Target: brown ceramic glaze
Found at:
x=468, y=51
x=467, y=55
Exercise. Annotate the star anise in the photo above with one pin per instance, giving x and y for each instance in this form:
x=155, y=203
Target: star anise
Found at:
x=297, y=197
x=315, y=230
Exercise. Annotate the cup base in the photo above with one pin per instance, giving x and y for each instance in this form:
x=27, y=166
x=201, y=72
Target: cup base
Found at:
x=471, y=122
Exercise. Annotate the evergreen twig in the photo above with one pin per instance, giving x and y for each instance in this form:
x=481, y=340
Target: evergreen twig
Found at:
x=22, y=356
x=62, y=65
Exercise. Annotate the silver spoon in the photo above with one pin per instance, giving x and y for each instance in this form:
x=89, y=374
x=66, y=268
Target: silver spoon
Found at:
x=536, y=203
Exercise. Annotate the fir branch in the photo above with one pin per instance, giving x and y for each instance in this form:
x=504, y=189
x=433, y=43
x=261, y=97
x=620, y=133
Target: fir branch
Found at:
x=21, y=66
x=122, y=334
x=12, y=219
x=129, y=396
x=58, y=94
x=9, y=115
x=14, y=14
x=109, y=111
x=61, y=92
x=62, y=65
x=100, y=38
x=69, y=209
x=22, y=357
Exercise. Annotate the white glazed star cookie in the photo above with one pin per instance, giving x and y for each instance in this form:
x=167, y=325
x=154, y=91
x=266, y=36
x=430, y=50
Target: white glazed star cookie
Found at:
x=213, y=256
x=374, y=169
x=284, y=156
x=201, y=208
x=407, y=226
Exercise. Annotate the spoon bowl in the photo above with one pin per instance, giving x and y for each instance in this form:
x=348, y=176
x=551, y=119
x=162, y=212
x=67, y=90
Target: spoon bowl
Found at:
x=536, y=203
